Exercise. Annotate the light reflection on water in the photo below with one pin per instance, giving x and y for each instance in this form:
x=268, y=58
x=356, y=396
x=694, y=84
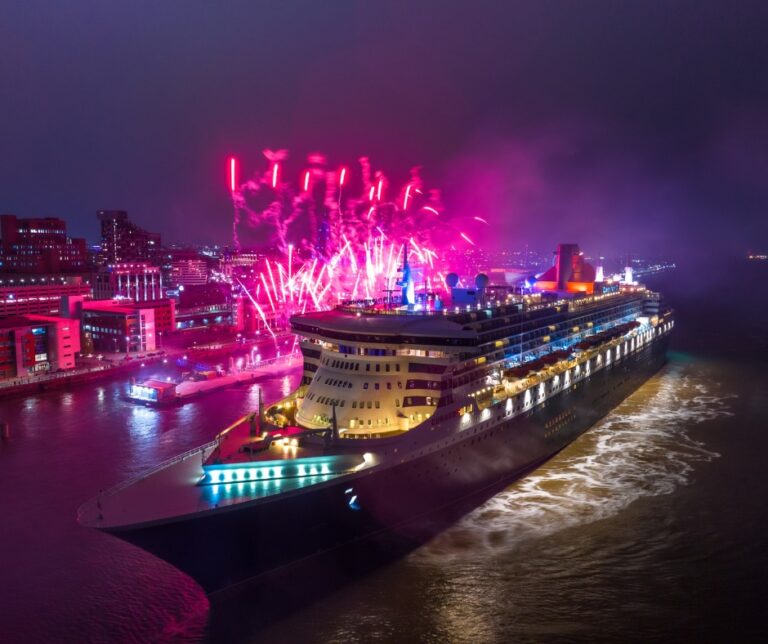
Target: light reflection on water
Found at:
x=253, y=396
x=142, y=423
x=61, y=582
x=645, y=447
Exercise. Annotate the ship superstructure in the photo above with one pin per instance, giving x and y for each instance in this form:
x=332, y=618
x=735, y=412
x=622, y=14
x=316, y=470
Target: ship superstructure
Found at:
x=401, y=412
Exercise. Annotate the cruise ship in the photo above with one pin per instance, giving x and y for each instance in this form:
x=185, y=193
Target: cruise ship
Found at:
x=408, y=415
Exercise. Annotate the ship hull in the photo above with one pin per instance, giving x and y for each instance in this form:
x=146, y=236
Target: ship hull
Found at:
x=398, y=507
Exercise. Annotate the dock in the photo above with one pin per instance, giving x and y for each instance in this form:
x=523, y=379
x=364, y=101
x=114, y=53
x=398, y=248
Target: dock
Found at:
x=156, y=392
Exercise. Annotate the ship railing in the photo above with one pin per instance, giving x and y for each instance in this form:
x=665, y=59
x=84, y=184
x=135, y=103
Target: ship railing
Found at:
x=216, y=442
x=161, y=466
x=372, y=310
x=115, y=489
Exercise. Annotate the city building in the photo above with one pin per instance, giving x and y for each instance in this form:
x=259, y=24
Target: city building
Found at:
x=189, y=272
x=138, y=281
x=165, y=316
x=173, y=265
x=39, y=295
x=38, y=246
x=124, y=241
x=115, y=326
x=208, y=305
x=240, y=263
x=32, y=344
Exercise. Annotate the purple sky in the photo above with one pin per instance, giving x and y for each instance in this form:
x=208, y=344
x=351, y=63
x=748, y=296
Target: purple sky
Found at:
x=624, y=126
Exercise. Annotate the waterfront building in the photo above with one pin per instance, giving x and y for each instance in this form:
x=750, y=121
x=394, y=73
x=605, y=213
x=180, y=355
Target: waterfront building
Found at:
x=138, y=281
x=40, y=245
x=124, y=241
x=39, y=295
x=117, y=326
x=165, y=315
x=32, y=344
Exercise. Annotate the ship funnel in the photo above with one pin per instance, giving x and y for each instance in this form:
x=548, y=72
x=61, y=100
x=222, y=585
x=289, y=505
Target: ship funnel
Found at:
x=566, y=256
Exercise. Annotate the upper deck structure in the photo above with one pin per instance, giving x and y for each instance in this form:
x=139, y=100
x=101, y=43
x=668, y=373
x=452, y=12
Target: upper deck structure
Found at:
x=384, y=370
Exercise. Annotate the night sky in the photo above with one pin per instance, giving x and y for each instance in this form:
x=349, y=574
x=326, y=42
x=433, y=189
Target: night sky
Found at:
x=625, y=126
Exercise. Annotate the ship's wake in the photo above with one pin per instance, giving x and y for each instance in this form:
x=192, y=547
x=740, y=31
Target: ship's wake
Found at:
x=645, y=447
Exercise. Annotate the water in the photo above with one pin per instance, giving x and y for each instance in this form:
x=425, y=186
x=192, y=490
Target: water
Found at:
x=647, y=447
x=650, y=527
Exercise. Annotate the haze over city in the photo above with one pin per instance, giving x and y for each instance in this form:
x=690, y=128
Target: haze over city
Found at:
x=596, y=117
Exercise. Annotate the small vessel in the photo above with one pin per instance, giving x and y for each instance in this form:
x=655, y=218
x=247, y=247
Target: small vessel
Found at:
x=405, y=418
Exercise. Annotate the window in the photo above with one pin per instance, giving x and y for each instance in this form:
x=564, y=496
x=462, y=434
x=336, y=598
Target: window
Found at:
x=367, y=366
x=365, y=385
x=370, y=404
x=378, y=367
x=354, y=404
x=376, y=386
x=397, y=367
x=389, y=385
x=377, y=404
x=397, y=402
x=386, y=367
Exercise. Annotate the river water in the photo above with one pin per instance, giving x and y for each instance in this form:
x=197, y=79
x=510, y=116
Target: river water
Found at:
x=650, y=527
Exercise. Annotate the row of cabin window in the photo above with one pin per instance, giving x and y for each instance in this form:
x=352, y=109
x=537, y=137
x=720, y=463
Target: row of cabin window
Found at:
x=377, y=385
x=359, y=421
x=409, y=401
x=410, y=384
x=355, y=366
x=338, y=383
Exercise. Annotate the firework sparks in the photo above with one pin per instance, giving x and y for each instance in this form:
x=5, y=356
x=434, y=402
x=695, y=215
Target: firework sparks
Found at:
x=232, y=174
x=328, y=249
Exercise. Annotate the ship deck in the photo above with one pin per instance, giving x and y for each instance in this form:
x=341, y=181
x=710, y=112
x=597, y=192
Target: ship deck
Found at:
x=173, y=491
x=239, y=445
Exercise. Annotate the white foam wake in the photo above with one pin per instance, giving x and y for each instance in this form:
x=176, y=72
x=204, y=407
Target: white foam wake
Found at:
x=643, y=448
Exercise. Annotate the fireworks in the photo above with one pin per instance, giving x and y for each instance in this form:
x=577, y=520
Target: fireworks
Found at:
x=338, y=235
